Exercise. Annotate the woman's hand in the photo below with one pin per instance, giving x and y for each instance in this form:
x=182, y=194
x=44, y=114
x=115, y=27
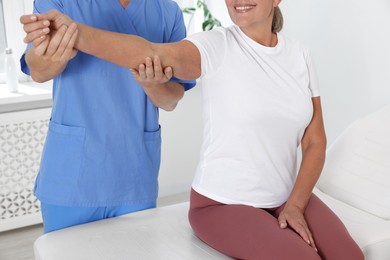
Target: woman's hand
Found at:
x=293, y=216
x=151, y=73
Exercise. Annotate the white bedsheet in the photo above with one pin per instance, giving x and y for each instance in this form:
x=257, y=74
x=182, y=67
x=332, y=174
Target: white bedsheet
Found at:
x=161, y=233
x=164, y=233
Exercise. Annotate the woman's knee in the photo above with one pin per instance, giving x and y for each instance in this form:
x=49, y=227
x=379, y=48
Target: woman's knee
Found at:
x=354, y=253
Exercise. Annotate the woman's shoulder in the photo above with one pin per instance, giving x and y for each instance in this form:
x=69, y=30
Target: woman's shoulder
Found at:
x=293, y=44
x=216, y=34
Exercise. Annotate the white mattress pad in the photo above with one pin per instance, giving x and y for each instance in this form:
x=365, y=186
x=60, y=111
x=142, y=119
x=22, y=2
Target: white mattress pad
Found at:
x=161, y=233
x=164, y=233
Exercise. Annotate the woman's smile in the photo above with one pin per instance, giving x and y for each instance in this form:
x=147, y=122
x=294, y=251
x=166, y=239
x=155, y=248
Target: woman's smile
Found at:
x=244, y=8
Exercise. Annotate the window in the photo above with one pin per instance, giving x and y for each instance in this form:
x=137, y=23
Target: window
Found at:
x=11, y=31
x=3, y=38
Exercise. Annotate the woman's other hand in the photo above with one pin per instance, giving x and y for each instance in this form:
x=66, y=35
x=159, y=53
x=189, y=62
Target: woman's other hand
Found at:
x=293, y=216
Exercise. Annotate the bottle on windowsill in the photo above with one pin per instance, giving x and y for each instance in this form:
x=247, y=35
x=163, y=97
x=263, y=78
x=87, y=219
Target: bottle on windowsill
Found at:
x=11, y=74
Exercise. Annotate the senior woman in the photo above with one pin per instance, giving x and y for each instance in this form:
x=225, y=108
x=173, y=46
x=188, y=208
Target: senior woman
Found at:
x=260, y=102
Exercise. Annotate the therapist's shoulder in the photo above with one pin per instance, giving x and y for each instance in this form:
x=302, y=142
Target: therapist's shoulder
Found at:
x=43, y=6
x=169, y=4
x=172, y=12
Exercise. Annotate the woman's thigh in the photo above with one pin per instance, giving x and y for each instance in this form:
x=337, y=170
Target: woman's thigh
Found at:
x=245, y=232
x=330, y=235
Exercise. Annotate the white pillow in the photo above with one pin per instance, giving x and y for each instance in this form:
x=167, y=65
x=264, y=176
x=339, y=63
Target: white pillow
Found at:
x=357, y=167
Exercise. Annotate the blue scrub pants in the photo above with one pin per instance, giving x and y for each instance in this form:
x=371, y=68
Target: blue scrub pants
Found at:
x=57, y=217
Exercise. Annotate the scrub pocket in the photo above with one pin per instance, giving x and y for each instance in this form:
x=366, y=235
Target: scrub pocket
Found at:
x=147, y=184
x=61, y=161
x=153, y=150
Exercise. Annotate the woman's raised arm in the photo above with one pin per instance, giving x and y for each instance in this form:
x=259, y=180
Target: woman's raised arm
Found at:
x=126, y=50
x=130, y=50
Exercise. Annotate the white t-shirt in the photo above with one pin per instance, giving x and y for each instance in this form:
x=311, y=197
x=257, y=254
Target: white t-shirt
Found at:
x=256, y=106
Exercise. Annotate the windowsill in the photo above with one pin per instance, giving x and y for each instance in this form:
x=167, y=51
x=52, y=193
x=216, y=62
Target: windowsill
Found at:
x=30, y=95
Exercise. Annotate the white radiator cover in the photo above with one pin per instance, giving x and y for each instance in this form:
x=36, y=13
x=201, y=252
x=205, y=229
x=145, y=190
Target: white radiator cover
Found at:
x=22, y=135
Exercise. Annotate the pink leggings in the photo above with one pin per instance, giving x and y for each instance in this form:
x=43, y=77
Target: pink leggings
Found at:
x=245, y=232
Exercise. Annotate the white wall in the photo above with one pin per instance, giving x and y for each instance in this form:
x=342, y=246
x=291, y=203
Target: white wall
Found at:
x=350, y=42
x=181, y=139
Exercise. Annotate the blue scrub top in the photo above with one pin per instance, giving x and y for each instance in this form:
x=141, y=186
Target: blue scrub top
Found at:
x=103, y=143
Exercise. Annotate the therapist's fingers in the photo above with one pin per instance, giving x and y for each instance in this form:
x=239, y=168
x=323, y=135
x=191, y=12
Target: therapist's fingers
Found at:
x=168, y=72
x=158, y=72
x=36, y=30
x=141, y=72
x=70, y=51
x=36, y=36
x=65, y=46
x=38, y=41
x=57, y=19
x=37, y=25
x=161, y=75
x=149, y=69
x=40, y=49
x=34, y=26
x=30, y=18
x=151, y=73
x=135, y=73
x=56, y=41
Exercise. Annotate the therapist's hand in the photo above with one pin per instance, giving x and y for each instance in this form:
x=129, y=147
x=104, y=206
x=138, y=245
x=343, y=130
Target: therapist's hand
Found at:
x=151, y=74
x=57, y=19
x=50, y=43
x=154, y=80
x=36, y=28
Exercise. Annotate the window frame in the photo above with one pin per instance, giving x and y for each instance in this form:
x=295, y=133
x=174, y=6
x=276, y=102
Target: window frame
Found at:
x=13, y=9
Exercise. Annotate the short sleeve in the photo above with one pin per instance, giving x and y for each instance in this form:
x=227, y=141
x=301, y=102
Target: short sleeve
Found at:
x=188, y=84
x=211, y=46
x=179, y=29
x=313, y=77
x=43, y=6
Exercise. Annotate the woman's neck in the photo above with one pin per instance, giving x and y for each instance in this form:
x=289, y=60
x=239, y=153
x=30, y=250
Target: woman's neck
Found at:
x=261, y=35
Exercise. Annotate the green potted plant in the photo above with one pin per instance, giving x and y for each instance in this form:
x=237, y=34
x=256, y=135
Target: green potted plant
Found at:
x=209, y=21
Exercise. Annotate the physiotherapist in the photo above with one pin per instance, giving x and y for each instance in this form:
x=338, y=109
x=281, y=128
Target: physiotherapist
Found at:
x=102, y=152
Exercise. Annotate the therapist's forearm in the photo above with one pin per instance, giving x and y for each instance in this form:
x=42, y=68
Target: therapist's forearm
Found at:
x=42, y=69
x=165, y=96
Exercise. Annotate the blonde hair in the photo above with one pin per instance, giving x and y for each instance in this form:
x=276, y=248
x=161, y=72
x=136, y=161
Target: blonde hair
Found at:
x=277, y=21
